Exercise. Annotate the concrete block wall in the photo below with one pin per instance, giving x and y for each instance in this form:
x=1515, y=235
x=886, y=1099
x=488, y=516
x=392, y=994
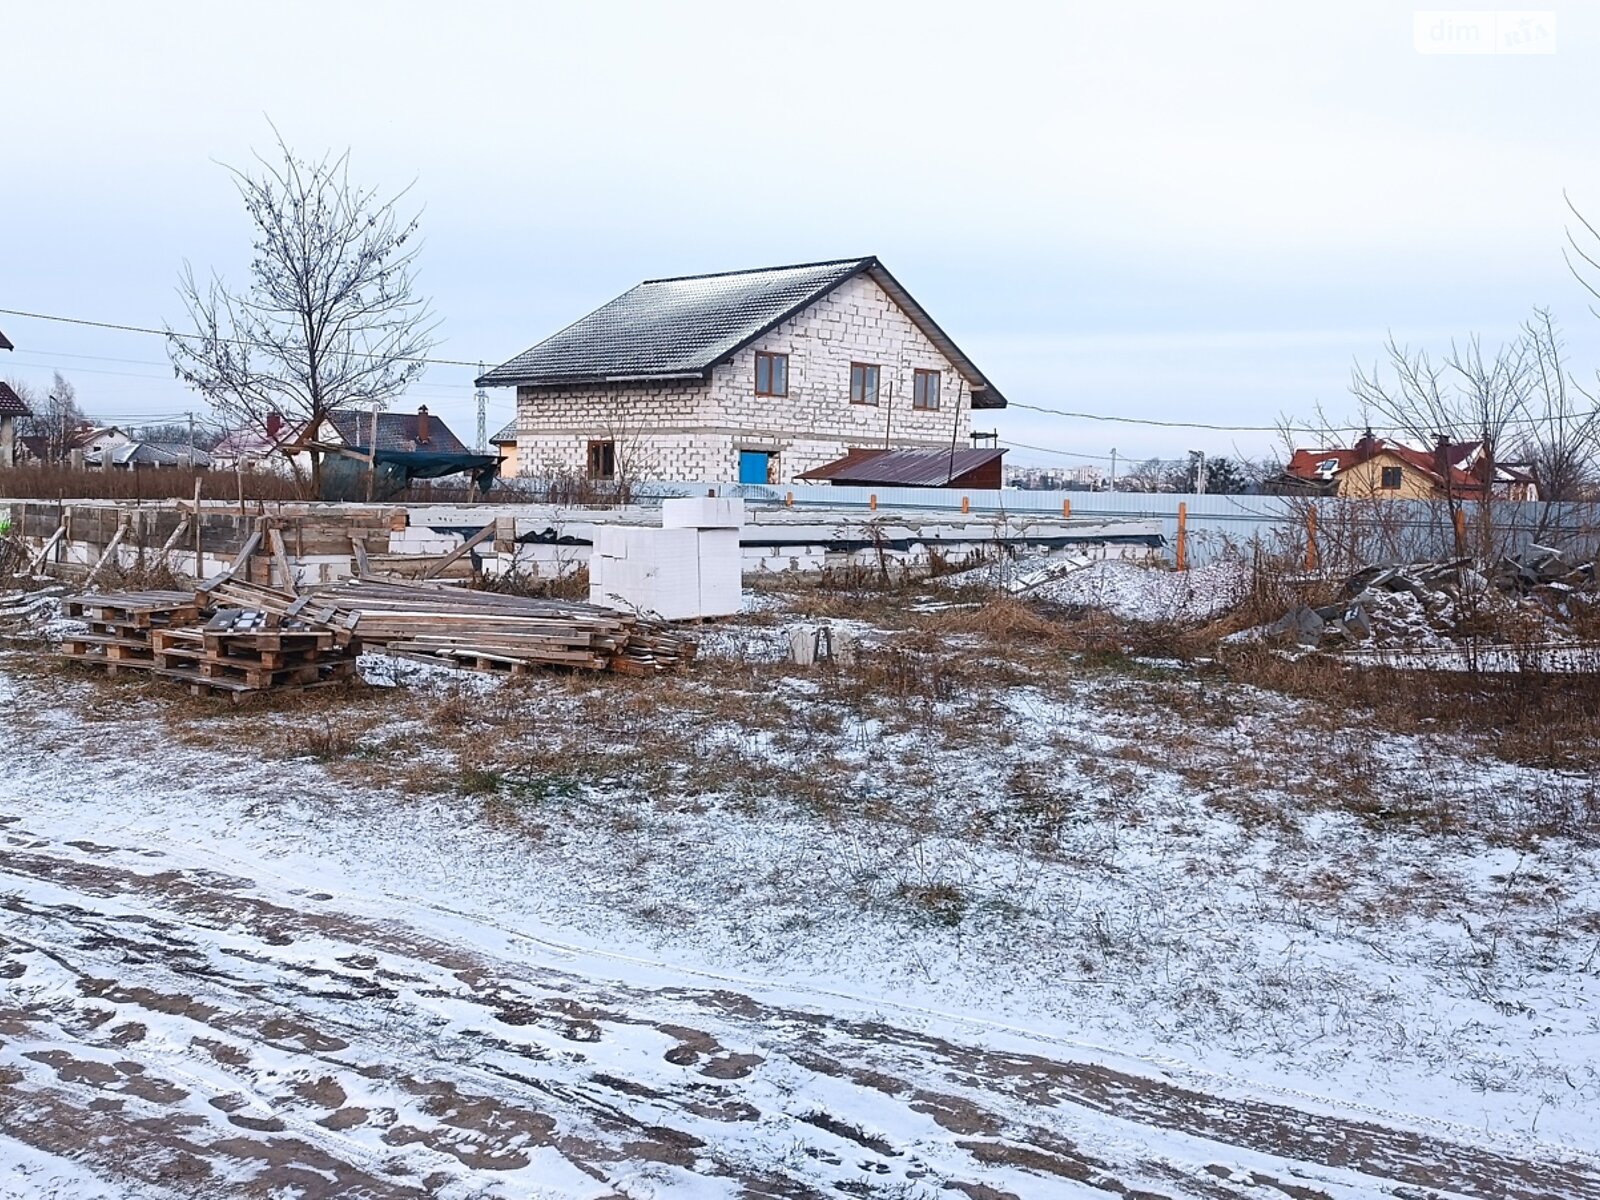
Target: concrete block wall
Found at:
x=815, y=422
x=695, y=430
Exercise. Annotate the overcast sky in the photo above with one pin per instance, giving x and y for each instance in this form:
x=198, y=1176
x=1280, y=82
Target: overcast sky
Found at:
x=1180, y=211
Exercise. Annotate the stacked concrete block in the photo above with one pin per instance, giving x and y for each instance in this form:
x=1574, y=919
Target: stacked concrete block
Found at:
x=721, y=572
x=702, y=512
x=646, y=570
x=717, y=521
x=691, y=567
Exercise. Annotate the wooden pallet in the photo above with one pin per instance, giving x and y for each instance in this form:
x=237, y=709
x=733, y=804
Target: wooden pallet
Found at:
x=252, y=649
x=134, y=610
x=112, y=654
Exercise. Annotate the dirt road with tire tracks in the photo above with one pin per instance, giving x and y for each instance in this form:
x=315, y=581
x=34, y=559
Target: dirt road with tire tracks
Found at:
x=180, y=1031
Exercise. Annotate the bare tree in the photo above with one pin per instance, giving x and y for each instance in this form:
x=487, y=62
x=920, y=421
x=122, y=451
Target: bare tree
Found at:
x=1561, y=436
x=54, y=418
x=1148, y=476
x=1466, y=397
x=329, y=318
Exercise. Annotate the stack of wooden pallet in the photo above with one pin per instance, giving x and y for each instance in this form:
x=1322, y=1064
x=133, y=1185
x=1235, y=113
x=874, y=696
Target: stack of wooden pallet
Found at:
x=243, y=650
x=122, y=626
x=259, y=638
x=488, y=631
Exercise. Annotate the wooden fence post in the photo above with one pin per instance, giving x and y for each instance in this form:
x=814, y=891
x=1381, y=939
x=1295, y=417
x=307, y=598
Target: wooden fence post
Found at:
x=1461, y=532
x=199, y=571
x=966, y=505
x=1066, y=510
x=788, y=500
x=1183, y=535
x=872, y=502
x=1311, y=539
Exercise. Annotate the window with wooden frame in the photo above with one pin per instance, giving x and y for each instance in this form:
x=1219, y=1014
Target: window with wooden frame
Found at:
x=772, y=374
x=1391, y=478
x=602, y=460
x=863, y=383
x=925, y=390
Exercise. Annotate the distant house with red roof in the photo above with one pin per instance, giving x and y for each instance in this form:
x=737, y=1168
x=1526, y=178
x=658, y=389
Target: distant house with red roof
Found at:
x=1376, y=468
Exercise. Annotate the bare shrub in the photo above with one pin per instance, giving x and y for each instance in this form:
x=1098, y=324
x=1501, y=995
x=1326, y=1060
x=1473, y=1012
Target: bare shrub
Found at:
x=51, y=481
x=568, y=585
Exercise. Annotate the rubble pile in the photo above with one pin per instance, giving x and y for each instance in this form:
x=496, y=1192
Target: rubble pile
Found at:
x=1430, y=604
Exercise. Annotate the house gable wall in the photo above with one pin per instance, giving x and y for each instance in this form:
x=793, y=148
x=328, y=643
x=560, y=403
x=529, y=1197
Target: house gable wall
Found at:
x=696, y=430
x=1364, y=480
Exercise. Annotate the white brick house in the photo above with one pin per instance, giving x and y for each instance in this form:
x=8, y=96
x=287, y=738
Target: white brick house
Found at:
x=754, y=376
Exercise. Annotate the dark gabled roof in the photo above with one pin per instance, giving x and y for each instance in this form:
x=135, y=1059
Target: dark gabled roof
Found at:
x=5, y=343
x=11, y=404
x=903, y=468
x=507, y=434
x=680, y=328
x=396, y=431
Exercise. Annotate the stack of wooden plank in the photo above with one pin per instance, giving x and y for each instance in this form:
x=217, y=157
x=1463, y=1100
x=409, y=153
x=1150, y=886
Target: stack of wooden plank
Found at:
x=23, y=605
x=244, y=650
x=122, y=626
x=488, y=631
x=258, y=638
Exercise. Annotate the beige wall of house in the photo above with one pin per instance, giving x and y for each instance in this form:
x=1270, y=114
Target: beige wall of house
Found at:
x=696, y=430
x=508, y=458
x=1365, y=480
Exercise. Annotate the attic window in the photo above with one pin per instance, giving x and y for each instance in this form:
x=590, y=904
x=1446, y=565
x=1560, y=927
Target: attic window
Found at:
x=1391, y=478
x=925, y=391
x=772, y=374
x=1328, y=466
x=863, y=383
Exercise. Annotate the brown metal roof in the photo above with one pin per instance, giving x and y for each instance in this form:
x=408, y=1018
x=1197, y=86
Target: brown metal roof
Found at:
x=5, y=342
x=903, y=468
x=11, y=404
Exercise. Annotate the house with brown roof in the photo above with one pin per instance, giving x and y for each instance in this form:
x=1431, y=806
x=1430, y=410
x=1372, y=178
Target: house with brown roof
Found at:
x=758, y=376
x=1375, y=469
x=1378, y=469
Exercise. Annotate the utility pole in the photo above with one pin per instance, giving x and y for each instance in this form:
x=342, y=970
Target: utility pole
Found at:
x=191, y=439
x=1197, y=466
x=1113, y=468
x=483, y=415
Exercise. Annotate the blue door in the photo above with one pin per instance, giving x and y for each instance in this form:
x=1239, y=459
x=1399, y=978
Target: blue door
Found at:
x=753, y=466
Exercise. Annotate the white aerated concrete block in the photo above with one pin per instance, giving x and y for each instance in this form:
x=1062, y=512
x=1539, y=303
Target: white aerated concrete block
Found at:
x=721, y=572
x=702, y=512
x=655, y=571
x=611, y=541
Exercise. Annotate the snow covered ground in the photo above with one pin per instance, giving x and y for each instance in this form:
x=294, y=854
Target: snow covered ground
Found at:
x=1057, y=937
x=1131, y=590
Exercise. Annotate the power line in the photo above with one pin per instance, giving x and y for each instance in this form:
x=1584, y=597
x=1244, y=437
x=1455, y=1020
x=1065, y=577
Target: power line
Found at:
x=1149, y=422
x=194, y=337
x=1075, y=454
x=1287, y=427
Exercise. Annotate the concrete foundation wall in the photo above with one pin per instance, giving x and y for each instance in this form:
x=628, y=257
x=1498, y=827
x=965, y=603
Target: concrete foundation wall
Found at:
x=541, y=540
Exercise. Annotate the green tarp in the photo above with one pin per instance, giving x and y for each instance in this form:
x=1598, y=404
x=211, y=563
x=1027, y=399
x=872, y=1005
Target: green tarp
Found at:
x=346, y=478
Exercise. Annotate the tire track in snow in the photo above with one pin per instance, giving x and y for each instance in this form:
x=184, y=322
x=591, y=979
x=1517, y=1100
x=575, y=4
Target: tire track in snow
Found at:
x=979, y=1117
